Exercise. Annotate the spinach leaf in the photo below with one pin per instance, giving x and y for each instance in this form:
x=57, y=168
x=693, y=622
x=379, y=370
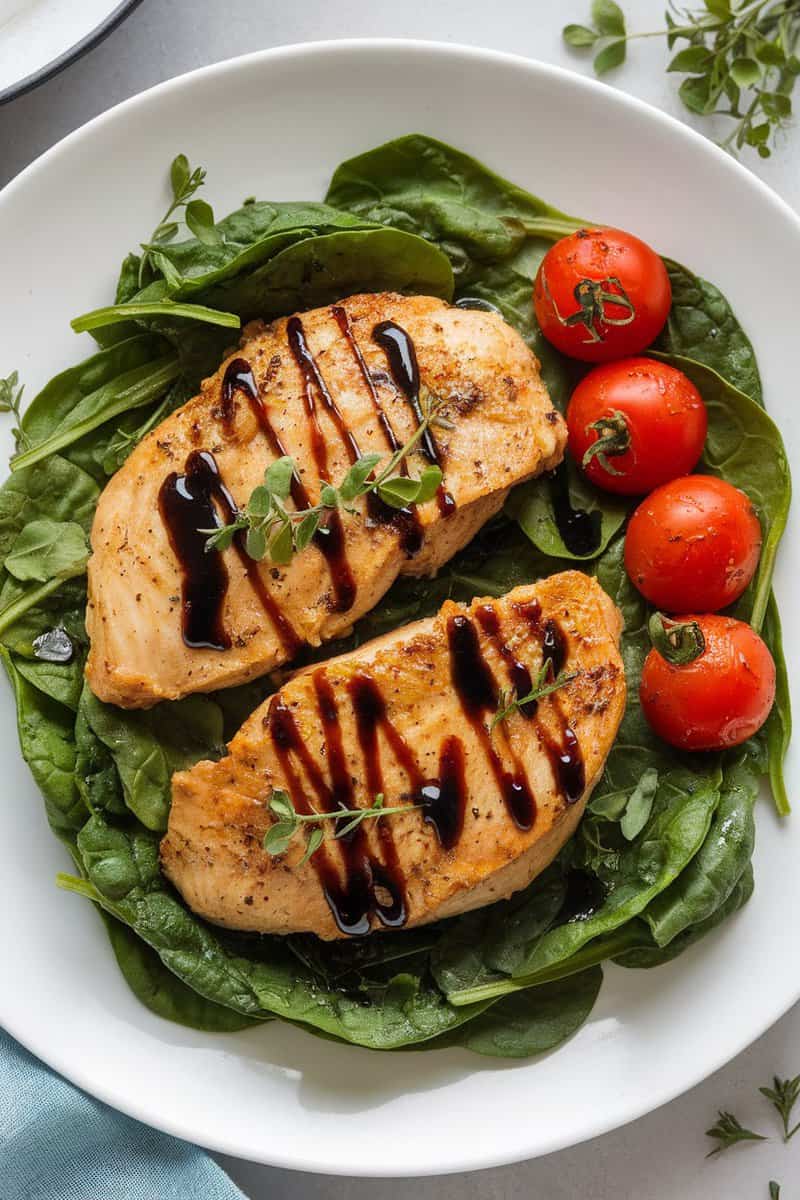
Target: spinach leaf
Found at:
x=530, y=1022
x=162, y=992
x=535, y=506
x=711, y=876
x=642, y=951
x=95, y=771
x=61, y=681
x=48, y=550
x=778, y=729
x=46, y=741
x=319, y=270
x=701, y=326
x=61, y=492
x=148, y=747
x=123, y=876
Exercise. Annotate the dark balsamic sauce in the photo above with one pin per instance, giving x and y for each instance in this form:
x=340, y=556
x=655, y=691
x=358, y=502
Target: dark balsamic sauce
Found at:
x=580, y=530
x=518, y=674
x=565, y=755
x=402, y=358
x=585, y=895
x=475, y=686
x=445, y=800
x=405, y=520
x=186, y=503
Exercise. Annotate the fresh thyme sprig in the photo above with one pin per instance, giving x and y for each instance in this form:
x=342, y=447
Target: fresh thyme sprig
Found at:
x=739, y=59
x=198, y=215
x=272, y=529
x=728, y=1131
x=783, y=1095
x=545, y=684
x=289, y=820
x=10, y=400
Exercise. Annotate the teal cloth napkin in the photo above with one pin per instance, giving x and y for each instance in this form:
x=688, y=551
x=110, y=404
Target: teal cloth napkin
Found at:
x=57, y=1143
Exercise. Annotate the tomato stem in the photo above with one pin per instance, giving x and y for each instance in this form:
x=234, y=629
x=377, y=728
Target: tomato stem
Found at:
x=679, y=642
x=613, y=439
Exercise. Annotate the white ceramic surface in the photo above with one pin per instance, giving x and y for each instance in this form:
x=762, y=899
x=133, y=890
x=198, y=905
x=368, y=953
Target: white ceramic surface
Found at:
x=266, y=124
x=39, y=36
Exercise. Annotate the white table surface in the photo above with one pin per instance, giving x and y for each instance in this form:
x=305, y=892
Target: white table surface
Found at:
x=660, y=1157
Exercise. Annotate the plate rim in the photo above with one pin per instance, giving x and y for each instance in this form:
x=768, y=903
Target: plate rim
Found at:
x=77, y=50
x=474, y=1160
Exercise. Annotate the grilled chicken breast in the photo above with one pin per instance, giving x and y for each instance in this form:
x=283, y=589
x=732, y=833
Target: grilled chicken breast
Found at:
x=409, y=716
x=166, y=619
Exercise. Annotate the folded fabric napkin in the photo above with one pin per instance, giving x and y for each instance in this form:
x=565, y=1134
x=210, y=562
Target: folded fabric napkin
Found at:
x=57, y=1143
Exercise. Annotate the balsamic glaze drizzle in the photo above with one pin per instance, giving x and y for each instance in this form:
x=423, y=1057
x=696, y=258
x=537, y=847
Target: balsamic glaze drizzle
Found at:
x=475, y=686
x=580, y=530
x=186, y=503
x=401, y=355
x=405, y=520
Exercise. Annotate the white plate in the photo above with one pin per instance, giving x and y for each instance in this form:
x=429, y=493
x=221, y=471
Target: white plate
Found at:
x=275, y=124
x=39, y=37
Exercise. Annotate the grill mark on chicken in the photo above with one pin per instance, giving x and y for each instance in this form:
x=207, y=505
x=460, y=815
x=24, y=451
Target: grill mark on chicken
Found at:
x=402, y=358
x=565, y=759
x=405, y=520
x=186, y=503
x=477, y=692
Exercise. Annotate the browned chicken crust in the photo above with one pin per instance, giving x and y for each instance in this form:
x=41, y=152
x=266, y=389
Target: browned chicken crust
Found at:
x=343, y=400
x=409, y=715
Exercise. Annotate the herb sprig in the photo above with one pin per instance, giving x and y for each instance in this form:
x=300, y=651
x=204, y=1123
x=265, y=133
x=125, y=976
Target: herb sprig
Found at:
x=739, y=59
x=347, y=820
x=727, y=1131
x=198, y=215
x=10, y=401
x=509, y=702
x=273, y=530
x=783, y=1096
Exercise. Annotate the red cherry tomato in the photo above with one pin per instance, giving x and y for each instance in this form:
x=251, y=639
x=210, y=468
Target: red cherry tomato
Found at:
x=693, y=544
x=601, y=294
x=718, y=699
x=634, y=424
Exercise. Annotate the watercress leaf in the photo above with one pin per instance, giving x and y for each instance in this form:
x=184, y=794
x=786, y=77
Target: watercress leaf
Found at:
x=695, y=93
x=608, y=18
x=305, y=531
x=179, y=175
x=200, y=219
x=691, y=59
x=611, y=55
x=745, y=71
x=719, y=8
x=278, y=476
x=315, y=840
x=771, y=54
x=256, y=542
x=353, y=483
x=48, y=550
x=165, y=232
x=260, y=501
x=281, y=547
x=579, y=35
x=640, y=805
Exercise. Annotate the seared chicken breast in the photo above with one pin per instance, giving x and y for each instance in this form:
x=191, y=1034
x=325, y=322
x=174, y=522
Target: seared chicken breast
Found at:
x=167, y=618
x=411, y=717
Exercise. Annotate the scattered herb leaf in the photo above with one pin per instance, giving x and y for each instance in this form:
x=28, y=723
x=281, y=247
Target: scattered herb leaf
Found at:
x=783, y=1095
x=728, y=1131
x=289, y=820
x=545, y=684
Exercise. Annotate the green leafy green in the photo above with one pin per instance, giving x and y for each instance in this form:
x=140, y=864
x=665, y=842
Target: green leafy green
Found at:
x=48, y=550
x=148, y=747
